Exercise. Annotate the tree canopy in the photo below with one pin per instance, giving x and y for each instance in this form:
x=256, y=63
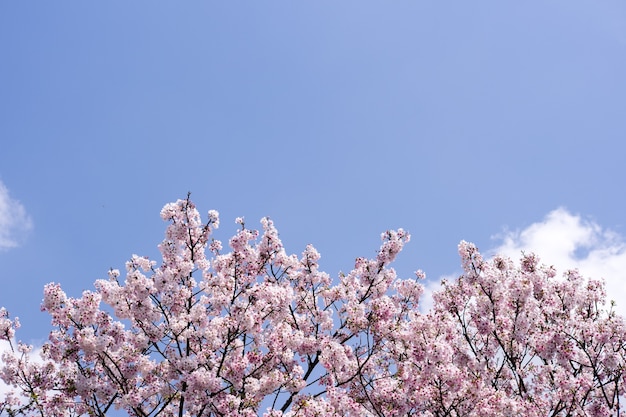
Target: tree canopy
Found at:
x=252, y=330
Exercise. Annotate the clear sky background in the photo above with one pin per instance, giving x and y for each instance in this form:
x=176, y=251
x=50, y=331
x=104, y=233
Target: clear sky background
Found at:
x=501, y=123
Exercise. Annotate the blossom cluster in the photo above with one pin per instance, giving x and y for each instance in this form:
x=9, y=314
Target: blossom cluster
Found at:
x=256, y=331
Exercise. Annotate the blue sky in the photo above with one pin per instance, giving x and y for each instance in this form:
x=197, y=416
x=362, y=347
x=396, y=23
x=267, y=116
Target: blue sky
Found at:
x=501, y=123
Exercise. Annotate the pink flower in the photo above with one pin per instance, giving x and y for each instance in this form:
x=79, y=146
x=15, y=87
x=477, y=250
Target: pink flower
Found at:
x=231, y=333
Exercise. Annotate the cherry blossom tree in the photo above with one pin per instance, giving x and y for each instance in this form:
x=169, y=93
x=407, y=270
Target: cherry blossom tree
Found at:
x=253, y=331
x=532, y=344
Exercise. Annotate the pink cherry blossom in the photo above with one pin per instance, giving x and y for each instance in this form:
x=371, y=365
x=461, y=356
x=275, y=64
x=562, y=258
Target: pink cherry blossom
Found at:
x=256, y=331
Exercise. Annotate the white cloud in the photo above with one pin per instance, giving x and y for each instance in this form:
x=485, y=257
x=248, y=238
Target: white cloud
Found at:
x=15, y=223
x=568, y=241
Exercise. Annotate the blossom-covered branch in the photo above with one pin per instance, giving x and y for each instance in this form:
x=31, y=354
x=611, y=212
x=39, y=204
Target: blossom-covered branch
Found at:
x=253, y=330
